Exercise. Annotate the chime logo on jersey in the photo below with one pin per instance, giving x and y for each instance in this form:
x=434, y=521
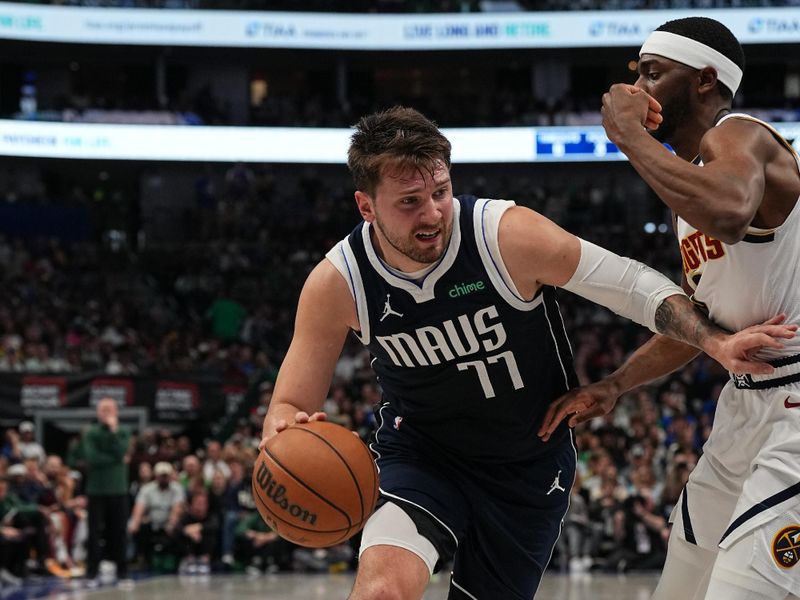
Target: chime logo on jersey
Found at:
x=699, y=248
x=462, y=289
x=786, y=547
x=457, y=337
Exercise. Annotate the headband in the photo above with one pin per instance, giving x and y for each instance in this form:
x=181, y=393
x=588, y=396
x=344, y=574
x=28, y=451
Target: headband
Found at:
x=693, y=53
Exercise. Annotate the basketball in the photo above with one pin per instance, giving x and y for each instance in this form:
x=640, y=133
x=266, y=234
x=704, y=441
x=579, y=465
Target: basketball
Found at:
x=315, y=484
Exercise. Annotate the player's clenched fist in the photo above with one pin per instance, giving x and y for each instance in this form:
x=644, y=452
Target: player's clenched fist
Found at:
x=626, y=106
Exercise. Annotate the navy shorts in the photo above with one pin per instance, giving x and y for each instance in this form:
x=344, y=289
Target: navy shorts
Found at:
x=498, y=523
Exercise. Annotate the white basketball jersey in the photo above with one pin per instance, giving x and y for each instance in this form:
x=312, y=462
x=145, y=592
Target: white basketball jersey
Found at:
x=749, y=282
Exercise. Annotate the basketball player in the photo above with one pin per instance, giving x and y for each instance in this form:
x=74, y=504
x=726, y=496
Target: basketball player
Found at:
x=454, y=298
x=733, y=187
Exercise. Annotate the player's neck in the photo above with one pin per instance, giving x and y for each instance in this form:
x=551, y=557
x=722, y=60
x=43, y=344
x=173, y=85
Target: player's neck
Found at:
x=687, y=145
x=721, y=113
x=416, y=276
x=687, y=137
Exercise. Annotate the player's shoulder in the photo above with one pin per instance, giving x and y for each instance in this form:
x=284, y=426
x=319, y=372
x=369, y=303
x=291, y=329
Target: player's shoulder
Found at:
x=515, y=215
x=469, y=203
x=326, y=277
x=327, y=287
x=737, y=133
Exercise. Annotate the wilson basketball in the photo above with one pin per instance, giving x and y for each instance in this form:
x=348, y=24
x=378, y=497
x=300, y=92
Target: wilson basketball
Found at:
x=315, y=484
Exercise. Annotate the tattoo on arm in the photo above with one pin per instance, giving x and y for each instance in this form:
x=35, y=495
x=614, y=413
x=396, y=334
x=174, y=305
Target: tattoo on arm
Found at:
x=679, y=318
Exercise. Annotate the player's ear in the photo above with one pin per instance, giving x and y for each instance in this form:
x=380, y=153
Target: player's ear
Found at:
x=364, y=203
x=708, y=80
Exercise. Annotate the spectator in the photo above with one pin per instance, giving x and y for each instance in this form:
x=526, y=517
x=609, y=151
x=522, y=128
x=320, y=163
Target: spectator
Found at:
x=74, y=455
x=106, y=447
x=641, y=534
x=237, y=503
x=183, y=448
x=12, y=540
x=144, y=475
x=260, y=548
x=10, y=450
x=67, y=514
x=21, y=445
x=192, y=474
x=603, y=514
x=578, y=540
x=145, y=448
x=30, y=484
x=158, y=508
x=28, y=447
x=214, y=462
x=24, y=529
x=197, y=536
x=676, y=479
x=216, y=504
x=227, y=317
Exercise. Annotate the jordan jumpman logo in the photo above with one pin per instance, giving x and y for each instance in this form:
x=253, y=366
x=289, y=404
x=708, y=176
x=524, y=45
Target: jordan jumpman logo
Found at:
x=556, y=484
x=388, y=310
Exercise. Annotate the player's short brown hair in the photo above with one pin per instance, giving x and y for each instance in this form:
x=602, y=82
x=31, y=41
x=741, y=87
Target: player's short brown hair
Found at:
x=399, y=136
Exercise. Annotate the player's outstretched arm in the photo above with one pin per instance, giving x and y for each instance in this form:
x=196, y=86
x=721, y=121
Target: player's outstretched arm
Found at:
x=659, y=356
x=325, y=313
x=538, y=252
x=655, y=358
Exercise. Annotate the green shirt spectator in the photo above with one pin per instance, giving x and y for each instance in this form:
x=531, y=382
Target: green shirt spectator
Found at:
x=105, y=445
x=104, y=450
x=227, y=317
x=251, y=522
x=10, y=504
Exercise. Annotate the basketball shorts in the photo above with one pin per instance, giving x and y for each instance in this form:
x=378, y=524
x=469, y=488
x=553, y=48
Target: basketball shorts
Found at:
x=748, y=480
x=497, y=523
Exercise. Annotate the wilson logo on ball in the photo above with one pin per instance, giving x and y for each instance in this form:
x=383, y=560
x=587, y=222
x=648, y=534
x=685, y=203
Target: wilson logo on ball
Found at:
x=315, y=484
x=786, y=546
x=277, y=493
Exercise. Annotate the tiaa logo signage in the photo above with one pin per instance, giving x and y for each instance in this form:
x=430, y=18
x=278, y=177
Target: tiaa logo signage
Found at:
x=774, y=26
x=614, y=29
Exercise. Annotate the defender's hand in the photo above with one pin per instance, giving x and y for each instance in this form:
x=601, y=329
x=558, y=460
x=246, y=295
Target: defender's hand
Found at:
x=282, y=424
x=625, y=106
x=736, y=351
x=582, y=403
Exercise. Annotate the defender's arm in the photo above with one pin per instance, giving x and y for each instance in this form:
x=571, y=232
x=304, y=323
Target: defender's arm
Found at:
x=721, y=197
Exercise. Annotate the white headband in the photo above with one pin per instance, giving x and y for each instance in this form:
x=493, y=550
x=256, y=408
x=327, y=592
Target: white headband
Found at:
x=693, y=53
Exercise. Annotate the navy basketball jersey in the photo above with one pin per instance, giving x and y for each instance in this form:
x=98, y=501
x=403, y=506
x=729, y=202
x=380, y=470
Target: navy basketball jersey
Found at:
x=462, y=359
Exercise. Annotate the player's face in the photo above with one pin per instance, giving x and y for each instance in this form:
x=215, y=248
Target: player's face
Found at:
x=412, y=210
x=668, y=82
